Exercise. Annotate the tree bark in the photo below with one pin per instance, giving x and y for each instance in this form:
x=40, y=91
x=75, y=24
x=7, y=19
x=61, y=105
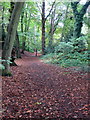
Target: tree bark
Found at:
x=52, y=29
x=18, y=53
x=66, y=15
x=3, y=34
x=43, y=27
x=22, y=29
x=43, y=23
x=6, y=54
x=78, y=17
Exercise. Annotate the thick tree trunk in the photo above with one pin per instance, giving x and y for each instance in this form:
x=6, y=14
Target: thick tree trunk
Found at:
x=78, y=17
x=17, y=51
x=6, y=54
x=43, y=27
x=78, y=26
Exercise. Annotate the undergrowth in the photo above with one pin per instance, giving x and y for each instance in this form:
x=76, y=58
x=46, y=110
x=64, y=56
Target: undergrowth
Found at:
x=69, y=54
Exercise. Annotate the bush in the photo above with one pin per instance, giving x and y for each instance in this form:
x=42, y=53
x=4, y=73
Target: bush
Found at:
x=51, y=49
x=73, y=53
x=68, y=60
x=79, y=44
x=64, y=47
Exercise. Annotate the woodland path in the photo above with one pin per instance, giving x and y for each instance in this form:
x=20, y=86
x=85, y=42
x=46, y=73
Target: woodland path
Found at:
x=39, y=90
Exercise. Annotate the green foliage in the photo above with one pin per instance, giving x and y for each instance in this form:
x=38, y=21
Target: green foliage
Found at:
x=75, y=45
x=79, y=43
x=50, y=49
x=64, y=47
x=1, y=65
x=69, y=60
x=87, y=21
x=69, y=54
x=6, y=73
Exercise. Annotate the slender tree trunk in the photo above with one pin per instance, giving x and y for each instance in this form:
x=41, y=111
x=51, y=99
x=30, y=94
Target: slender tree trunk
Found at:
x=52, y=29
x=66, y=15
x=2, y=29
x=22, y=30
x=6, y=54
x=43, y=23
x=88, y=40
x=43, y=27
x=12, y=4
x=89, y=47
x=23, y=45
x=18, y=53
x=24, y=37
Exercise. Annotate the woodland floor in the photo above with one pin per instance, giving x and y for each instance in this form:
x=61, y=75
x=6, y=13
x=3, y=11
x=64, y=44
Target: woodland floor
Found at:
x=39, y=90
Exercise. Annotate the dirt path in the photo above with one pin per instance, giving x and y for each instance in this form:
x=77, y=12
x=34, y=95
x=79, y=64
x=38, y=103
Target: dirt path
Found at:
x=38, y=90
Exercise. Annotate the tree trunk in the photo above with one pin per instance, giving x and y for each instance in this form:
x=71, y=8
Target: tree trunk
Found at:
x=43, y=27
x=23, y=45
x=78, y=17
x=66, y=15
x=18, y=54
x=52, y=29
x=17, y=50
x=24, y=37
x=89, y=47
x=78, y=26
x=6, y=54
x=2, y=30
x=22, y=30
x=43, y=23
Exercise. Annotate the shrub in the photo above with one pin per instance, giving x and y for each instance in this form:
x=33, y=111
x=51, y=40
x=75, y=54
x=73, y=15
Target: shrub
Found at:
x=79, y=44
x=64, y=47
x=73, y=53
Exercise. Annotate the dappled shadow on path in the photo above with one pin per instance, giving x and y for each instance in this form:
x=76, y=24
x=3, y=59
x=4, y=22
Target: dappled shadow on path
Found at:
x=38, y=90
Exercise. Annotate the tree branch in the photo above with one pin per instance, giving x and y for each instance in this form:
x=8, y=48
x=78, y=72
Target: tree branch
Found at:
x=84, y=8
x=74, y=8
x=56, y=23
x=50, y=10
x=39, y=8
x=58, y=18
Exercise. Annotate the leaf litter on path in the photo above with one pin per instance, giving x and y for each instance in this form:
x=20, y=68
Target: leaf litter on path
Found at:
x=39, y=90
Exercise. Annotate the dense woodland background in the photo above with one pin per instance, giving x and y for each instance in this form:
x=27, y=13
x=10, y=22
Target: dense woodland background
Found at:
x=57, y=30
